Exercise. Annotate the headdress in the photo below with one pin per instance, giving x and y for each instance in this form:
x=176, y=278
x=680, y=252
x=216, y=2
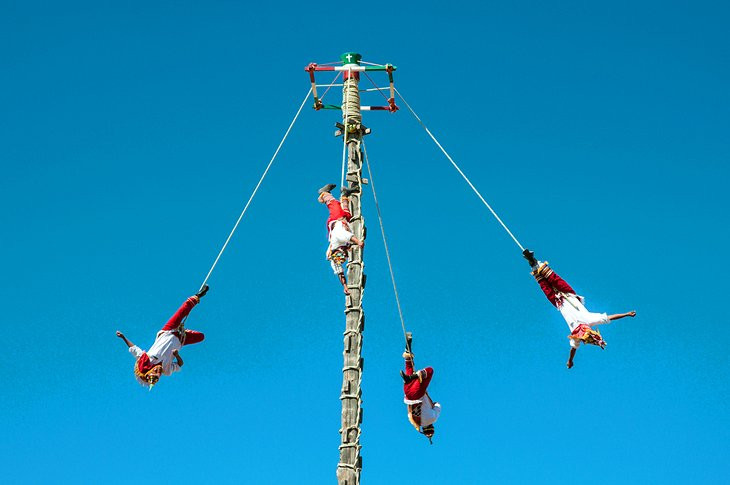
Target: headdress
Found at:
x=142, y=369
x=587, y=335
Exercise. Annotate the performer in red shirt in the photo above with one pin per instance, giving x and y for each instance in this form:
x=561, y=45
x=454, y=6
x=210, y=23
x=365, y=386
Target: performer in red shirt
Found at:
x=422, y=410
x=338, y=230
x=581, y=322
x=157, y=361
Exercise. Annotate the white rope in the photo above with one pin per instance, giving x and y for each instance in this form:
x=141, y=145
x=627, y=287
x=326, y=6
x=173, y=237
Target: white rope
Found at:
x=459, y=170
x=256, y=189
x=330, y=85
x=385, y=243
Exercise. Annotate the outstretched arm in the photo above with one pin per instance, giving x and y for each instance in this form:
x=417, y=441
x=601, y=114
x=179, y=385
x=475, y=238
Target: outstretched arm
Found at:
x=356, y=241
x=126, y=340
x=619, y=316
x=178, y=358
x=570, y=358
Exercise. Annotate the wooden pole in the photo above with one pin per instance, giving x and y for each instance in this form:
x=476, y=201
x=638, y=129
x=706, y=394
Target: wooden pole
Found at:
x=350, y=465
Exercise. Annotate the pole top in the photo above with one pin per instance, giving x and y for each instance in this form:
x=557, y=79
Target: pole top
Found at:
x=351, y=58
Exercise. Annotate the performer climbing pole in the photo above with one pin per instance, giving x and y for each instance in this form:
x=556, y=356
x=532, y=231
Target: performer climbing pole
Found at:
x=352, y=130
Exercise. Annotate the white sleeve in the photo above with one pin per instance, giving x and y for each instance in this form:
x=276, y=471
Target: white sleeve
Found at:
x=597, y=319
x=136, y=351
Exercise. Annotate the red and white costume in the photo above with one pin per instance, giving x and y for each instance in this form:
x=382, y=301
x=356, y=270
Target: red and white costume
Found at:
x=571, y=306
x=168, y=340
x=338, y=231
x=336, y=210
x=422, y=411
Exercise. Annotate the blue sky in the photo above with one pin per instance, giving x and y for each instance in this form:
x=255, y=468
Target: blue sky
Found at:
x=131, y=135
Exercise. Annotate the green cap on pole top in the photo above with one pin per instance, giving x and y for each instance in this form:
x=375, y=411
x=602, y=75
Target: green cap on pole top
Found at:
x=351, y=58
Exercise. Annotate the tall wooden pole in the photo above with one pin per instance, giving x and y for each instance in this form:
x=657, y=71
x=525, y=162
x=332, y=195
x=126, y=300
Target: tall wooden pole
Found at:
x=350, y=465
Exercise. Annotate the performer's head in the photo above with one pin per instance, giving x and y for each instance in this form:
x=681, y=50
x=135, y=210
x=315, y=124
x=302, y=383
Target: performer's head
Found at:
x=153, y=375
x=429, y=431
x=146, y=372
x=593, y=337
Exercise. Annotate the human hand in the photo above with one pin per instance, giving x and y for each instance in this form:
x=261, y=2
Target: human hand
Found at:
x=120, y=334
x=570, y=364
x=632, y=313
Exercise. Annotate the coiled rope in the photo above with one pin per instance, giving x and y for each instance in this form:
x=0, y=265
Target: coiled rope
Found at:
x=344, y=132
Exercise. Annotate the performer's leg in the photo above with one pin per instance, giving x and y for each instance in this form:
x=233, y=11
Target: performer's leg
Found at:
x=426, y=375
x=193, y=337
x=325, y=193
x=417, y=388
x=559, y=283
x=335, y=209
x=409, y=367
x=345, y=207
x=326, y=198
x=181, y=313
x=548, y=290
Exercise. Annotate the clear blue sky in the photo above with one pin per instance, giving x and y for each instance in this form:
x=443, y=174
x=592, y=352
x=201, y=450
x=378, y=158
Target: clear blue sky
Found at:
x=131, y=134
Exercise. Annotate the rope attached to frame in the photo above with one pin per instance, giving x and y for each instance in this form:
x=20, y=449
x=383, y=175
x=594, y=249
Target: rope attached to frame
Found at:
x=459, y=170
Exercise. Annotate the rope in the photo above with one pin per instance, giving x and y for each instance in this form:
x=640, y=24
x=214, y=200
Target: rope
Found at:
x=459, y=170
x=256, y=189
x=385, y=243
x=378, y=89
x=330, y=86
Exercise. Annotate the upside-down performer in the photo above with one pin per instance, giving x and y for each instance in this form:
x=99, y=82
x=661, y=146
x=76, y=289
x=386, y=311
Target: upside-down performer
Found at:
x=422, y=410
x=158, y=360
x=571, y=306
x=338, y=230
